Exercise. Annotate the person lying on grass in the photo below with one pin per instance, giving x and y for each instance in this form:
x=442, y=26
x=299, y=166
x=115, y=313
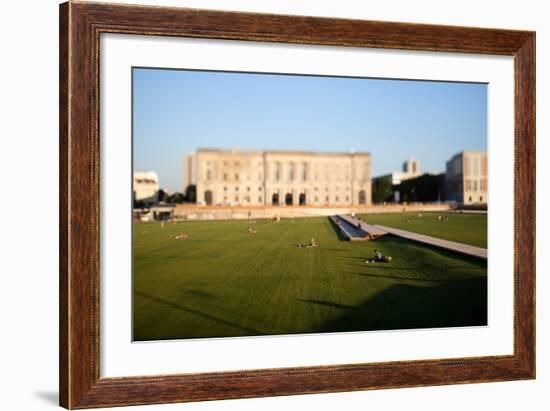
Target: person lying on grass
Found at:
x=312, y=244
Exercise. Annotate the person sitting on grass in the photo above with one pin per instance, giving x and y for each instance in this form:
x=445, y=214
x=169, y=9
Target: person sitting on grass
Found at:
x=378, y=257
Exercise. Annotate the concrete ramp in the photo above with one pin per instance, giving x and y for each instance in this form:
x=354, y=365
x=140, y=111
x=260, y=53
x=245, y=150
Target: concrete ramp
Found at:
x=370, y=232
x=355, y=230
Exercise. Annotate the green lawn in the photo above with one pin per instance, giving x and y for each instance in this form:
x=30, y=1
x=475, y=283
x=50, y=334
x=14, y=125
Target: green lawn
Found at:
x=463, y=228
x=222, y=281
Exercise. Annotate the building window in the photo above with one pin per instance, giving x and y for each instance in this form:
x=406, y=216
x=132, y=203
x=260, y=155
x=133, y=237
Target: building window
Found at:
x=259, y=199
x=470, y=199
x=326, y=200
x=347, y=199
x=337, y=199
x=208, y=174
x=247, y=188
x=236, y=199
x=259, y=188
x=291, y=172
x=362, y=197
x=237, y=188
x=316, y=199
x=481, y=199
x=475, y=185
x=225, y=189
x=225, y=176
x=236, y=176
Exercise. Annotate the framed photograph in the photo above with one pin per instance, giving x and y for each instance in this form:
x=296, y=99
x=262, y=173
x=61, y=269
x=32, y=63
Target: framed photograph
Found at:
x=257, y=205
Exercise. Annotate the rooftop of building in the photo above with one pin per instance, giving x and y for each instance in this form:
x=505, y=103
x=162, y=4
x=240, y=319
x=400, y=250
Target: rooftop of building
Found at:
x=282, y=152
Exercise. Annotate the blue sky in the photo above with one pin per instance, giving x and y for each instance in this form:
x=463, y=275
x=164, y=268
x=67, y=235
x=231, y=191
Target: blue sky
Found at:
x=178, y=111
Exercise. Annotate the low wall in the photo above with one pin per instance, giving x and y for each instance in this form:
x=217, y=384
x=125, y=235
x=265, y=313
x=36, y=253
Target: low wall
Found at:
x=194, y=212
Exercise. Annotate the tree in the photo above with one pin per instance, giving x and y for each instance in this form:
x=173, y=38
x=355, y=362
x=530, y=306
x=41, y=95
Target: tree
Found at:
x=382, y=190
x=176, y=198
x=426, y=188
x=191, y=193
x=162, y=196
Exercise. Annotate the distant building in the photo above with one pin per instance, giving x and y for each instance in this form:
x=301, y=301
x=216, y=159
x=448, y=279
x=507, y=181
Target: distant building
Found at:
x=146, y=187
x=282, y=178
x=189, y=171
x=410, y=169
x=466, y=178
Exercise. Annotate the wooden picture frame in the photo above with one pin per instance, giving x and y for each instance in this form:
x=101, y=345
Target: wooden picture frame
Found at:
x=80, y=27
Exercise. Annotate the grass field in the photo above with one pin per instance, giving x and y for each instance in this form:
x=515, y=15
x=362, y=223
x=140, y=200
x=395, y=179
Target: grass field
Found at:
x=222, y=281
x=463, y=228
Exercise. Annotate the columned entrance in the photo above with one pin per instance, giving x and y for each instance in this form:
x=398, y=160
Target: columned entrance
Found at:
x=288, y=199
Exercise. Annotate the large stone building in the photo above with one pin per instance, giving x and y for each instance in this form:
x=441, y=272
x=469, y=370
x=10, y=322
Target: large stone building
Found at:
x=282, y=178
x=466, y=178
x=146, y=187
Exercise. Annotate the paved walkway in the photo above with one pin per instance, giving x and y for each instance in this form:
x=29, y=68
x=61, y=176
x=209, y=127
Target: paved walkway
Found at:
x=437, y=242
x=371, y=231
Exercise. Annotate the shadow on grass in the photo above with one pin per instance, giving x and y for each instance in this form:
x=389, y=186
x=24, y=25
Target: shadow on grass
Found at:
x=456, y=303
x=245, y=330
x=326, y=303
x=400, y=278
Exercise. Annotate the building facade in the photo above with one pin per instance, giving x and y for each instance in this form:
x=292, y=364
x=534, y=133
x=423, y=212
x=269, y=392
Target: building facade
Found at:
x=466, y=178
x=146, y=187
x=279, y=178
